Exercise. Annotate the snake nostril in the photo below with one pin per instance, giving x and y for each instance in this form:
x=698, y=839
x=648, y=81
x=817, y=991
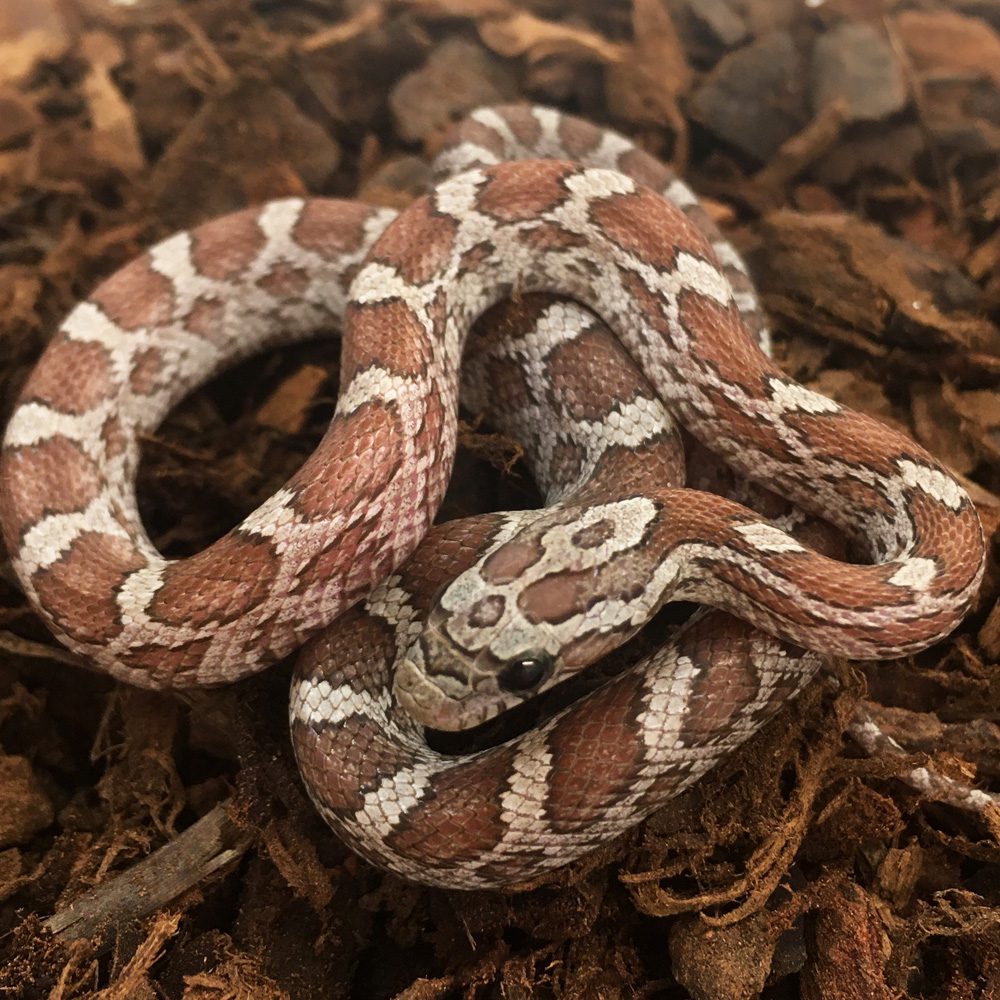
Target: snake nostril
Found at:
x=525, y=673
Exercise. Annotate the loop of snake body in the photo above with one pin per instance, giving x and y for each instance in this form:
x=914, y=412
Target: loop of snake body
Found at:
x=534, y=596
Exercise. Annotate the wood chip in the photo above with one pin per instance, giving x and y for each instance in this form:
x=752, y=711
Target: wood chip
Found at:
x=941, y=41
x=288, y=406
x=524, y=34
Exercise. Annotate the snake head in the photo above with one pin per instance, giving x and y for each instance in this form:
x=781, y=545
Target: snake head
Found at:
x=540, y=604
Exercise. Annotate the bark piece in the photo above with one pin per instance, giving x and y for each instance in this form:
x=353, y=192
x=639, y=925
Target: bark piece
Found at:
x=753, y=97
x=458, y=76
x=248, y=144
x=855, y=64
x=846, y=279
x=26, y=807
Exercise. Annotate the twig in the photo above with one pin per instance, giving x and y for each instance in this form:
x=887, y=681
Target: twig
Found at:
x=369, y=16
x=803, y=148
x=11, y=643
x=218, y=66
x=204, y=848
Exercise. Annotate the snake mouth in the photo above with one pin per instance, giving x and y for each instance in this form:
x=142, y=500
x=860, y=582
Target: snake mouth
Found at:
x=430, y=706
x=523, y=715
x=457, y=720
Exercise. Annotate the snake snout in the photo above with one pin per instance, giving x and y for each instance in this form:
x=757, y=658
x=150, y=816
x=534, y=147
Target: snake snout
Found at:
x=431, y=690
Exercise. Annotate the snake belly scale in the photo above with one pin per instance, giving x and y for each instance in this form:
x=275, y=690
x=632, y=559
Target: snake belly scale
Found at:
x=538, y=201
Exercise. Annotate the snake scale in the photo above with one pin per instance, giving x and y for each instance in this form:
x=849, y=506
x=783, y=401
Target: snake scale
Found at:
x=489, y=611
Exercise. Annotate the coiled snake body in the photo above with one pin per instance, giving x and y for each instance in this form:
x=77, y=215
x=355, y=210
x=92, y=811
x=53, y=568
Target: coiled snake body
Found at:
x=534, y=596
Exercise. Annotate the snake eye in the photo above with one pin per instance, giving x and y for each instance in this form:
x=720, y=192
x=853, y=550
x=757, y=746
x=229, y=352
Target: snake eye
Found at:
x=525, y=673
